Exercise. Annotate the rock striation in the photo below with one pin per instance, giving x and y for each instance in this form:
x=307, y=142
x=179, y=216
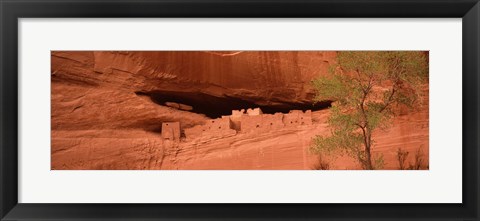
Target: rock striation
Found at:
x=109, y=110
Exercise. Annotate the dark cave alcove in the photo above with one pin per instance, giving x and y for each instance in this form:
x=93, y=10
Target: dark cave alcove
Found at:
x=215, y=107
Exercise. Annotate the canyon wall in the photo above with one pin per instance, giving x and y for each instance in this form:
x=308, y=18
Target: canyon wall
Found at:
x=107, y=110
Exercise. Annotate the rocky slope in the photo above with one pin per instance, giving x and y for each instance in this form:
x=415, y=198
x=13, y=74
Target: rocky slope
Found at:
x=107, y=110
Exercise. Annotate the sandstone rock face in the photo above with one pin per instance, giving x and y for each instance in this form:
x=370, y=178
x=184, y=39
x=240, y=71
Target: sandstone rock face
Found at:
x=108, y=109
x=260, y=77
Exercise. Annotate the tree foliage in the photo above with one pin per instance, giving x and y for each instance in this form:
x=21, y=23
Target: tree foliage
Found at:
x=367, y=87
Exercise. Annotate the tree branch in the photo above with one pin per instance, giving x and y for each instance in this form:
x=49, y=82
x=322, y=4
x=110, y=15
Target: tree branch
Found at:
x=389, y=100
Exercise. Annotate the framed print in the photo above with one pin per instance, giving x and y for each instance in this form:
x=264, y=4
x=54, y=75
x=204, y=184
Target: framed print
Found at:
x=213, y=124
x=239, y=110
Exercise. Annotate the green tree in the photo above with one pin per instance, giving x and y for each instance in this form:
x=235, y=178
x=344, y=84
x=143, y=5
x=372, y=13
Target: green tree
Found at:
x=367, y=88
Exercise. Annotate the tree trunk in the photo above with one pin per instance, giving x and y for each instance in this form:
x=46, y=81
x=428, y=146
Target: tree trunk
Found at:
x=368, y=155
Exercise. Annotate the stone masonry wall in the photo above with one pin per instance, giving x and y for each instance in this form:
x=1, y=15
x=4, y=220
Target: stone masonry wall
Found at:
x=251, y=120
x=212, y=128
x=171, y=131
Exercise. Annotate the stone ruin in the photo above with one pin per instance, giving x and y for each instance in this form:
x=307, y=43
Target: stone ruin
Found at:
x=265, y=122
x=219, y=127
x=241, y=121
x=171, y=131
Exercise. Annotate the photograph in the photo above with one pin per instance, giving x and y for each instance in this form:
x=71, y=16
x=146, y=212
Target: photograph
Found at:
x=239, y=110
x=312, y=110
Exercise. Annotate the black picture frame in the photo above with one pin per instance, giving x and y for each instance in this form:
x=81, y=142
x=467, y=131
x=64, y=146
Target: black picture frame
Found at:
x=12, y=10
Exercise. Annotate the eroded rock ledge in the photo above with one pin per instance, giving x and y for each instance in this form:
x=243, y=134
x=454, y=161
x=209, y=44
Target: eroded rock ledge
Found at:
x=212, y=83
x=108, y=108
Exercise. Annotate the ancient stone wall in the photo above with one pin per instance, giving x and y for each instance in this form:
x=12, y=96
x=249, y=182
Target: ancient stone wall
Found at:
x=274, y=121
x=306, y=118
x=261, y=123
x=254, y=112
x=219, y=127
x=171, y=131
x=237, y=113
x=251, y=120
x=251, y=123
x=235, y=119
x=297, y=117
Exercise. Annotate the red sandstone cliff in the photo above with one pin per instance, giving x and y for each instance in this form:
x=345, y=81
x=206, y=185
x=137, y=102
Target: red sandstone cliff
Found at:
x=107, y=110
